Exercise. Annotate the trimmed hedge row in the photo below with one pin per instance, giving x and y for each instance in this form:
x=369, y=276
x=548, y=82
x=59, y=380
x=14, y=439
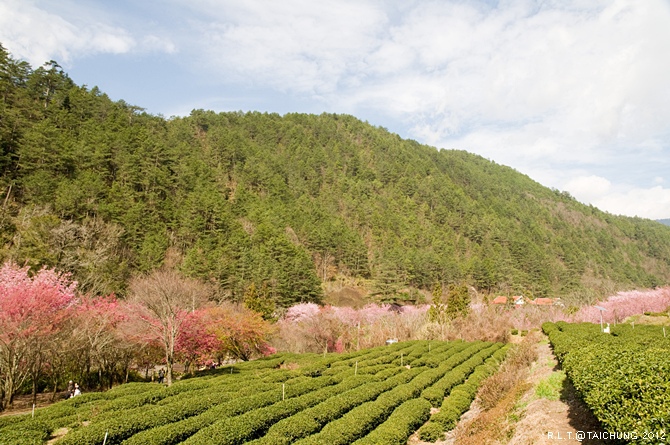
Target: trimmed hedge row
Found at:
x=175, y=403
x=400, y=425
x=459, y=399
x=384, y=357
x=129, y=422
x=29, y=433
x=72, y=412
x=388, y=372
x=435, y=393
x=312, y=420
x=240, y=429
x=224, y=407
x=334, y=360
x=435, y=360
x=361, y=420
x=624, y=378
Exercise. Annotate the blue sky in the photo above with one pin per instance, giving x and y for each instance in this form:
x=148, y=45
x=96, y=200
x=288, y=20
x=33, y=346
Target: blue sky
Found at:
x=573, y=93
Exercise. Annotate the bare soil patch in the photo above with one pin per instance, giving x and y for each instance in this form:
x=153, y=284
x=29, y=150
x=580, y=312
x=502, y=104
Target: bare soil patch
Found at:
x=57, y=435
x=24, y=403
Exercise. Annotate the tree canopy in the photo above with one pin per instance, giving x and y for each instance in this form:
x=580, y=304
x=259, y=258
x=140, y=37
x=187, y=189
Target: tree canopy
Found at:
x=103, y=190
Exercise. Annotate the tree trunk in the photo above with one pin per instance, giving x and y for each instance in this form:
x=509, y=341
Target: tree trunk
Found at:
x=9, y=391
x=35, y=375
x=169, y=354
x=34, y=391
x=53, y=395
x=168, y=372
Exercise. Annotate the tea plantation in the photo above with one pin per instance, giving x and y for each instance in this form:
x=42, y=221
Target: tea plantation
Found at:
x=624, y=377
x=374, y=396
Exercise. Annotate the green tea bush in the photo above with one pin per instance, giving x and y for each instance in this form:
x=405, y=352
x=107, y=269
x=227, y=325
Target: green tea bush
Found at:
x=240, y=429
x=624, y=378
x=400, y=425
x=319, y=399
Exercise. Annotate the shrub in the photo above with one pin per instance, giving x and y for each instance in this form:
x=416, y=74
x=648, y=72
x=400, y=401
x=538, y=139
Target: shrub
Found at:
x=400, y=425
x=28, y=433
x=431, y=432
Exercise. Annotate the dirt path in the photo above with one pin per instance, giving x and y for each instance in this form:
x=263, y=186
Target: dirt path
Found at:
x=545, y=410
x=544, y=421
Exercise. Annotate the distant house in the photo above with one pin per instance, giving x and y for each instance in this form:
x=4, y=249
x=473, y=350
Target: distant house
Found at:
x=502, y=300
x=499, y=300
x=543, y=301
x=519, y=300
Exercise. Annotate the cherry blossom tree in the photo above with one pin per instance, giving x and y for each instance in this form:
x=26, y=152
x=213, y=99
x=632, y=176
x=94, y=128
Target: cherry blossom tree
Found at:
x=102, y=336
x=162, y=301
x=624, y=304
x=32, y=311
x=196, y=344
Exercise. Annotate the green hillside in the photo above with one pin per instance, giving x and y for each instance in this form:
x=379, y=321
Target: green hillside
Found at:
x=104, y=190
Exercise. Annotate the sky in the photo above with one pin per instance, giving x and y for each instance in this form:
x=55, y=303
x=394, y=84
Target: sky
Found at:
x=573, y=93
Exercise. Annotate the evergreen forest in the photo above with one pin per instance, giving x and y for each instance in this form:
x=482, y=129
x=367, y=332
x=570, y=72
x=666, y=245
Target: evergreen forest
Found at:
x=283, y=204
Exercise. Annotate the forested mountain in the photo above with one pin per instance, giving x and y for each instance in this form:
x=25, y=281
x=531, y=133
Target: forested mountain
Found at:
x=665, y=221
x=104, y=190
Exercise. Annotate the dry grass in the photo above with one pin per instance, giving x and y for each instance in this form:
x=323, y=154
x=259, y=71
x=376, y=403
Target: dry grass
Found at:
x=494, y=425
x=513, y=370
x=498, y=397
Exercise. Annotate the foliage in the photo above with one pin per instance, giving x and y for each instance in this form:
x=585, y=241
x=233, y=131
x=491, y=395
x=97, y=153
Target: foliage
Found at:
x=437, y=313
x=624, y=304
x=240, y=332
x=400, y=425
x=458, y=300
x=260, y=301
x=196, y=344
x=102, y=190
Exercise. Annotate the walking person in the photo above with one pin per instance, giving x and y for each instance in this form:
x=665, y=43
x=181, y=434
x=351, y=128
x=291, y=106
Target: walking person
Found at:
x=70, y=389
x=161, y=375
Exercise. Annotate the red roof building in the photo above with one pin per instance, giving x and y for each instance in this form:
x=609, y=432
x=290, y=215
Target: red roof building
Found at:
x=543, y=301
x=518, y=300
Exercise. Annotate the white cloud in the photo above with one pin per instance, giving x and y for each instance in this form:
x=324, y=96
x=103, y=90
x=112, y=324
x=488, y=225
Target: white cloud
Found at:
x=525, y=83
x=651, y=203
x=621, y=198
x=588, y=188
x=299, y=46
x=32, y=32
